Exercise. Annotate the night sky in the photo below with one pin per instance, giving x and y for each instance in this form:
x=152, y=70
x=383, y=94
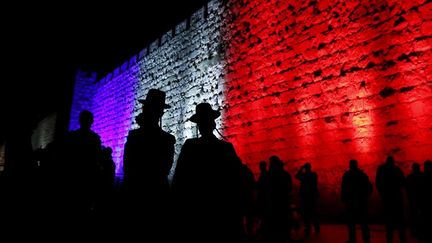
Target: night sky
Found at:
x=44, y=45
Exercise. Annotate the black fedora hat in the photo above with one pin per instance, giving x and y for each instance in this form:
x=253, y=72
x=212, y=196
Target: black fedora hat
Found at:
x=204, y=111
x=155, y=98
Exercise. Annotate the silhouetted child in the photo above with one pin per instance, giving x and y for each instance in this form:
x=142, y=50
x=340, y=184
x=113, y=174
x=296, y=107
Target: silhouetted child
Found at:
x=309, y=197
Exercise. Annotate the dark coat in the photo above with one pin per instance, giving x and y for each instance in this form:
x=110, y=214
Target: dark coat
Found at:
x=148, y=157
x=356, y=187
x=206, y=186
x=308, y=185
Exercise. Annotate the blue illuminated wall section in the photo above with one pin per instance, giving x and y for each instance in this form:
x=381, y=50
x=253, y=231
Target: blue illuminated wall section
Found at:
x=82, y=98
x=113, y=106
x=111, y=99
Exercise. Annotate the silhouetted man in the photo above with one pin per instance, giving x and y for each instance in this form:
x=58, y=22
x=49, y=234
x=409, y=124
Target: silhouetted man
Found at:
x=355, y=192
x=277, y=199
x=148, y=157
x=80, y=155
x=206, y=185
x=414, y=187
x=309, y=196
x=389, y=181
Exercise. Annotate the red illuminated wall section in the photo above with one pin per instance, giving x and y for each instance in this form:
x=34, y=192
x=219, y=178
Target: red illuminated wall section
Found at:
x=327, y=81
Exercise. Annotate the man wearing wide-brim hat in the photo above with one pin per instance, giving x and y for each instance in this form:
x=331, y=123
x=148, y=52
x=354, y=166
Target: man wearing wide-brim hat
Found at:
x=148, y=157
x=206, y=184
x=155, y=99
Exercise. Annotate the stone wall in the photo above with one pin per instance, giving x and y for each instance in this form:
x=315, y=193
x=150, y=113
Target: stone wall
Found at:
x=318, y=81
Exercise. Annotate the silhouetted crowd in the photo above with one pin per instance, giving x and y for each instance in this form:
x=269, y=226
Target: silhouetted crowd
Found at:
x=68, y=191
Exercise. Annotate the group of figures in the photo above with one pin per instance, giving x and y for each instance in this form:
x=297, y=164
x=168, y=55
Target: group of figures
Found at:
x=213, y=195
x=391, y=185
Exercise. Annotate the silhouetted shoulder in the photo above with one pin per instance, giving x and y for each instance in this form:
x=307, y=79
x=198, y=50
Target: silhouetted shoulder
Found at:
x=134, y=132
x=189, y=144
x=192, y=140
x=346, y=174
x=227, y=144
x=168, y=137
x=134, y=135
x=95, y=135
x=79, y=135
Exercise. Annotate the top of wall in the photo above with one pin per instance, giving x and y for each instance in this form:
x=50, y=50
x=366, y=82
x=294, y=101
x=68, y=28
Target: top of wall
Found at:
x=194, y=20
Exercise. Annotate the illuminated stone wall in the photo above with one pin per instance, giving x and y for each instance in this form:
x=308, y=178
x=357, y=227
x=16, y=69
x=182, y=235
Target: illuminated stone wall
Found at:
x=327, y=81
x=318, y=81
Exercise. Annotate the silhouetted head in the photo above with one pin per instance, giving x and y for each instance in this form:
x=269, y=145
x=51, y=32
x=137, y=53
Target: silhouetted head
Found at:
x=263, y=166
x=275, y=163
x=204, y=117
x=427, y=166
x=390, y=161
x=353, y=164
x=308, y=167
x=86, y=119
x=156, y=99
x=153, y=106
x=415, y=167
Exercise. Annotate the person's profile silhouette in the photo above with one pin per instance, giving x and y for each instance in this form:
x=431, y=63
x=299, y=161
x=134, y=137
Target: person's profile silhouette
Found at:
x=148, y=157
x=206, y=184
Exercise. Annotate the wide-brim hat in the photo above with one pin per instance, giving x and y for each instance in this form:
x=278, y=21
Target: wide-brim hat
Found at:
x=203, y=112
x=155, y=98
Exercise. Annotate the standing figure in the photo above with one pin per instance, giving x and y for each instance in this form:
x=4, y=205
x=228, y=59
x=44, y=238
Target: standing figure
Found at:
x=390, y=181
x=355, y=192
x=276, y=216
x=309, y=197
x=207, y=185
x=81, y=152
x=414, y=188
x=148, y=157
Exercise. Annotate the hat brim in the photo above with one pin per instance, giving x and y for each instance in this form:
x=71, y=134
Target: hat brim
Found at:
x=144, y=102
x=198, y=118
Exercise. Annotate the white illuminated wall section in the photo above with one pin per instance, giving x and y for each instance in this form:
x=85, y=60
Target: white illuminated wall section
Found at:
x=186, y=65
